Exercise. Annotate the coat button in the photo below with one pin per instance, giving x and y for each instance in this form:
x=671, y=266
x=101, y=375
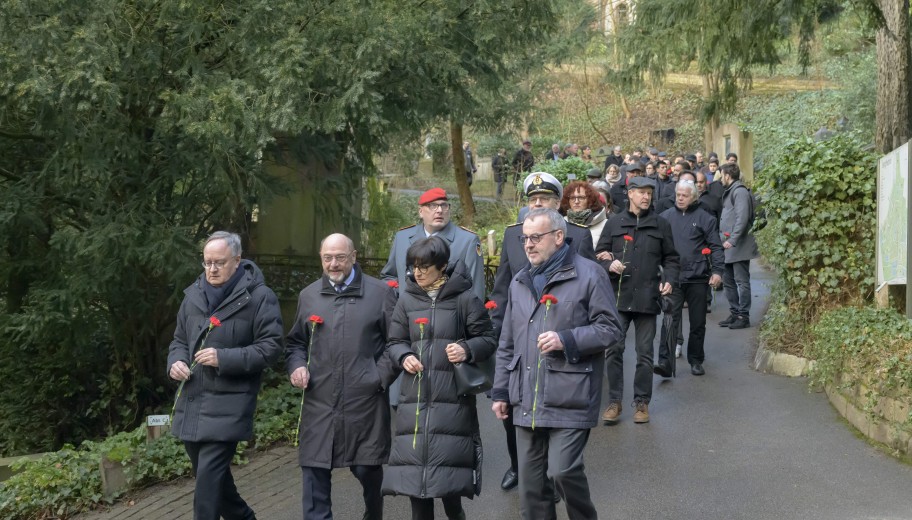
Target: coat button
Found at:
x=528, y=368
x=190, y=399
x=524, y=413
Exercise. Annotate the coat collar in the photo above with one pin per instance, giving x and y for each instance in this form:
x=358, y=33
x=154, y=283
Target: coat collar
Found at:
x=566, y=271
x=355, y=289
x=448, y=232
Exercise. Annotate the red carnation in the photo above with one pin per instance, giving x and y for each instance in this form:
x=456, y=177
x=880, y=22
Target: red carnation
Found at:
x=706, y=251
x=628, y=238
x=422, y=321
x=491, y=305
x=548, y=298
x=215, y=322
x=393, y=283
x=727, y=235
x=315, y=319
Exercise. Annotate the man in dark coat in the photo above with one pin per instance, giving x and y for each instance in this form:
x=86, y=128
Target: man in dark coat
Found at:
x=523, y=160
x=616, y=158
x=549, y=365
x=229, y=329
x=709, y=202
x=543, y=191
x=345, y=419
x=694, y=230
x=470, y=167
x=640, y=243
x=619, y=190
x=501, y=170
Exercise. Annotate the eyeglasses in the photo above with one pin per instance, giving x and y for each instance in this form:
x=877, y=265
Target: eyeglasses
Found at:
x=536, y=238
x=577, y=198
x=421, y=269
x=443, y=206
x=220, y=264
x=338, y=258
x=541, y=199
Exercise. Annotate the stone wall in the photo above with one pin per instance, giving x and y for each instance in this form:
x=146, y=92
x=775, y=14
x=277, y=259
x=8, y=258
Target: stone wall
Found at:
x=888, y=422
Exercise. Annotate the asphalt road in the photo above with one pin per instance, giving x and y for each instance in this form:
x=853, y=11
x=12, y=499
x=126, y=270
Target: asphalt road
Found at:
x=728, y=445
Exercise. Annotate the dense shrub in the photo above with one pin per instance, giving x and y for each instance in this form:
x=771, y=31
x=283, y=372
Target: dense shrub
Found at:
x=820, y=203
x=63, y=483
x=874, y=343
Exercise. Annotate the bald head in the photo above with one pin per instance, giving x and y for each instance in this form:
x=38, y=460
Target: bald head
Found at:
x=337, y=240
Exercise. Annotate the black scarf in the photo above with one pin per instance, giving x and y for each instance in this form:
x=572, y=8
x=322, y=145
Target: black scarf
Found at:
x=541, y=273
x=216, y=295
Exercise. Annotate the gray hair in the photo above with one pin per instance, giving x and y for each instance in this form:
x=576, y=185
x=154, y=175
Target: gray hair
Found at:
x=689, y=186
x=557, y=221
x=232, y=239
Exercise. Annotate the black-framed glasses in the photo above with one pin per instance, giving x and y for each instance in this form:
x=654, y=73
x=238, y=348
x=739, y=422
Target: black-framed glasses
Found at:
x=421, y=269
x=578, y=198
x=534, y=238
x=338, y=258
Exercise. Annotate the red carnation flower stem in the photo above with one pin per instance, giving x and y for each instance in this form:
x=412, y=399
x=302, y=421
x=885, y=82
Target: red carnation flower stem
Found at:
x=627, y=240
x=548, y=300
x=314, y=321
x=421, y=323
x=213, y=323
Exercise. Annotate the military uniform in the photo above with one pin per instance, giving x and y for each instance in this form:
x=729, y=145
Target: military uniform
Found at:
x=464, y=245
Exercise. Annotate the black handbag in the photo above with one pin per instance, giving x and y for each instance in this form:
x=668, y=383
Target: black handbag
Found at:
x=473, y=378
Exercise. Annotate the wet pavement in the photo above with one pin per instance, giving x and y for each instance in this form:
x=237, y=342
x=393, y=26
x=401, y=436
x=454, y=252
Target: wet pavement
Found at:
x=732, y=444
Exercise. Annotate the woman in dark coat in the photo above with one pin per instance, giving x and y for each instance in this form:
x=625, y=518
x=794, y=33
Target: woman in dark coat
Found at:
x=443, y=460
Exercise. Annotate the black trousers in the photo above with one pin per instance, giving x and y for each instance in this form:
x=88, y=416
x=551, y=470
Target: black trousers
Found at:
x=316, y=498
x=695, y=296
x=553, y=453
x=645, y=329
x=423, y=508
x=511, y=437
x=215, y=495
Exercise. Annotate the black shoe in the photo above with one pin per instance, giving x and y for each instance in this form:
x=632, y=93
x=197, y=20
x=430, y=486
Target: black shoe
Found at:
x=510, y=480
x=741, y=322
x=728, y=321
x=697, y=369
x=663, y=371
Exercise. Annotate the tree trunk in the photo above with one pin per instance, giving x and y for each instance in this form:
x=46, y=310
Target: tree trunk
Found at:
x=711, y=123
x=892, y=124
x=462, y=183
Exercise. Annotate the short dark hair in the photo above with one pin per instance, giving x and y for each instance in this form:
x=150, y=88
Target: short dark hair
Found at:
x=730, y=155
x=731, y=170
x=429, y=251
x=714, y=160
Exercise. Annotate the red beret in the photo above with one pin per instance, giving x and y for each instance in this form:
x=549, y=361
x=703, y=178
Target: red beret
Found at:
x=431, y=195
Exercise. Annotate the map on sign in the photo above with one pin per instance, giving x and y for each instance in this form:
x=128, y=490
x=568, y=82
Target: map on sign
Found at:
x=892, y=216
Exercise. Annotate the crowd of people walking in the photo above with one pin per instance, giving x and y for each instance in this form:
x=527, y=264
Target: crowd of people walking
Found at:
x=392, y=369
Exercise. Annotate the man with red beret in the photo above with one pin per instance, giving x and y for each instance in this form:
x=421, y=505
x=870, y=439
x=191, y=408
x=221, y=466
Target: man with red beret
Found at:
x=434, y=210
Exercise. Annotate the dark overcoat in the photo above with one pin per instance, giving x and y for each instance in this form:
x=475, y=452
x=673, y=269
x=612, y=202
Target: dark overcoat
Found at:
x=650, y=259
x=218, y=403
x=570, y=381
x=346, y=416
x=446, y=457
x=513, y=259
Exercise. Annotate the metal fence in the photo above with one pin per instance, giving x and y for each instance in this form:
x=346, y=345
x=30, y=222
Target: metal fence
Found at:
x=288, y=274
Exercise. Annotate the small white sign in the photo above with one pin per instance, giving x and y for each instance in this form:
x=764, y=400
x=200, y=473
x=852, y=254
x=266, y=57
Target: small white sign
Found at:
x=571, y=177
x=158, y=420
